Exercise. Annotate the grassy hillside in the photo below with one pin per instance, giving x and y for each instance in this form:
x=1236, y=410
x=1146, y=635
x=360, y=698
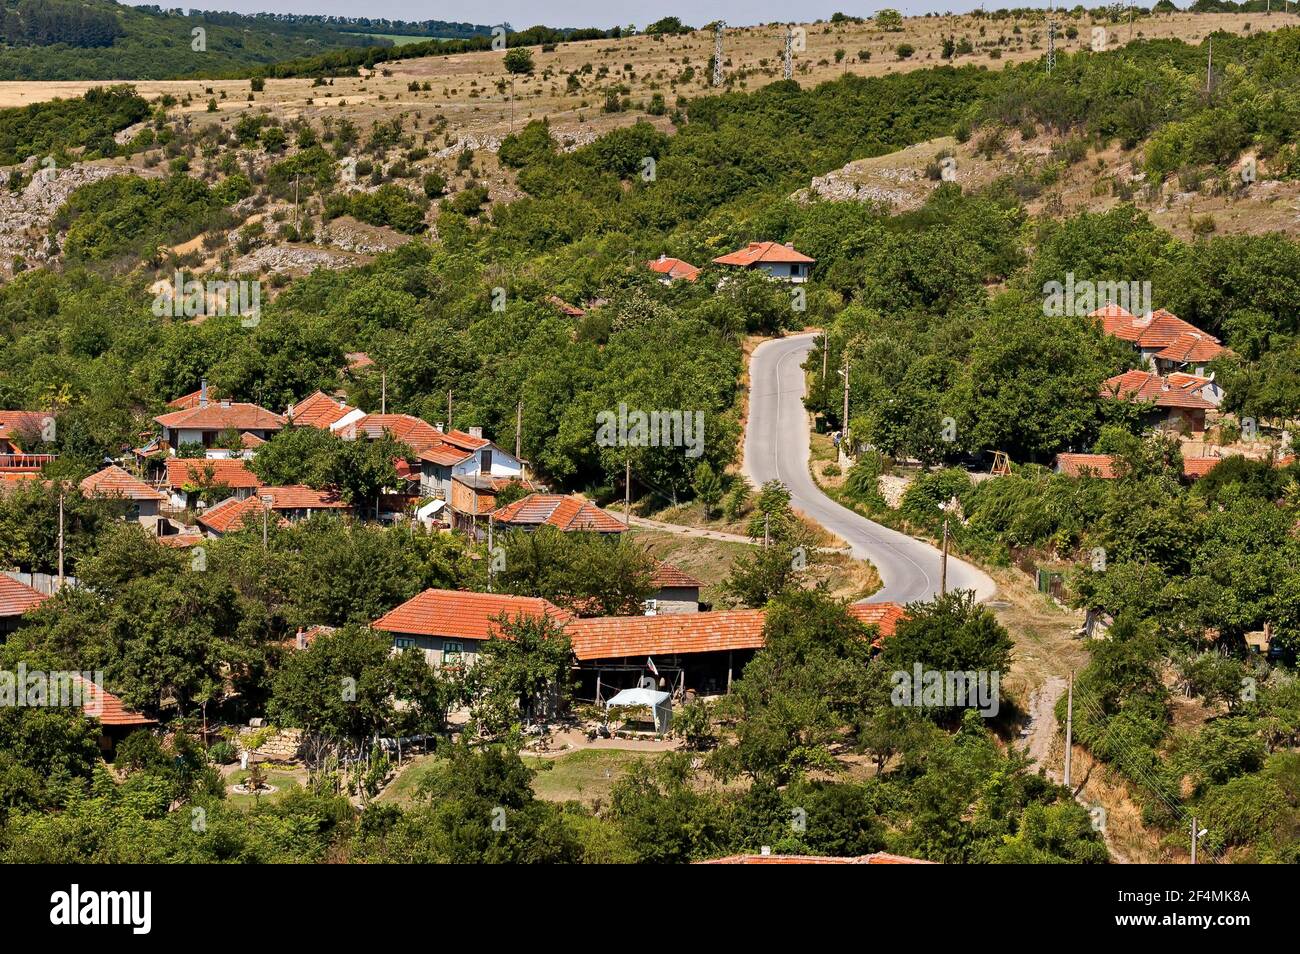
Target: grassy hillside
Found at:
x=102, y=40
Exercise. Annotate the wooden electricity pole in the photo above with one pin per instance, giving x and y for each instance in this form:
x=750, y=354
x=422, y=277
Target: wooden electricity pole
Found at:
x=519, y=430
x=943, y=565
x=60, y=536
x=627, y=491
x=449, y=410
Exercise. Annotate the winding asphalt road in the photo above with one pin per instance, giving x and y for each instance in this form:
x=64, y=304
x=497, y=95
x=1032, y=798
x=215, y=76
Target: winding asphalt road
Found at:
x=777, y=448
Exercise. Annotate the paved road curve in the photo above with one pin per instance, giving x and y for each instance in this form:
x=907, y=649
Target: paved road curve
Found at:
x=777, y=447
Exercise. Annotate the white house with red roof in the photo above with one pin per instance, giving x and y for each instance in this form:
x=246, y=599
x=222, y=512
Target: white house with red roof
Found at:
x=138, y=500
x=207, y=420
x=1163, y=340
x=1175, y=405
x=776, y=259
x=670, y=270
x=450, y=626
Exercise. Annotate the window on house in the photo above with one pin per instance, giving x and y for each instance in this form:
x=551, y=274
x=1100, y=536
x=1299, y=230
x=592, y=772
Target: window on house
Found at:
x=403, y=642
x=485, y=461
x=452, y=651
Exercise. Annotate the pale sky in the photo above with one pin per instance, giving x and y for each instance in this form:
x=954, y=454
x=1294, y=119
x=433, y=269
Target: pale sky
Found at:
x=604, y=13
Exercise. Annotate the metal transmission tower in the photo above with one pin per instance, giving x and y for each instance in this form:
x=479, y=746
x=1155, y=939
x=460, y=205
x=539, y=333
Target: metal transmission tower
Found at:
x=789, y=52
x=1051, y=44
x=717, y=51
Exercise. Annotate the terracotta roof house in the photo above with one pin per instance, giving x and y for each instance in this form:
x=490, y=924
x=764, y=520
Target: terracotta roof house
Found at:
x=777, y=260
x=138, y=500
x=767, y=858
x=235, y=514
x=322, y=411
x=1086, y=465
x=1165, y=341
x=358, y=360
x=704, y=650
x=1103, y=467
x=15, y=600
x=19, y=428
x=115, y=719
x=563, y=512
x=203, y=423
x=675, y=591
x=450, y=626
x=185, y=478
x=670, y=270
x=1173, y=407
x=296, y=502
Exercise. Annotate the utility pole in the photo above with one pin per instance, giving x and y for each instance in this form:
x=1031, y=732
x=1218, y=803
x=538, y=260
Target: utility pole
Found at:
x=60, y=536
x=627, y=491
x=383, y=393
x=943, y=565
x=844, y=420
x=1209, y=68
x=789, y=52
x=295, y=200
x=717, y=51
x=519, y=430
x=491, y=557
x=766, y=536
x=1194, y=838
x=1069, y=727
x=826, y=347
x=1051, y=45
x=265, y=513
x=449, y=410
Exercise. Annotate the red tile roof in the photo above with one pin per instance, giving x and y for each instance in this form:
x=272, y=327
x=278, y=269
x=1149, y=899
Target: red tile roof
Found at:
x=560, y=511
x=101, y=704
x=459, y=614
x=192, y=399
x=232, y=514
x=180, y=541
x=1149, y=386
x=1116, y=321
x=610, y=637
x=1191, y=346
x=113, y=481
x=763, y=252
x=298, y=497
x=17, y=426
x=249, y=441
x=357, y=360
x=879, y=858
x=464, y=440
x=17, y=598
x=674, y=268
x=445, y=455
x=1093, y=465
x=410, y=430
x=1196, y=467
x=318, y=410
x=563, y=307
x=884, y=616
x=220, y=417
x=1172, y=338
x=667, y=575
x=229, y=472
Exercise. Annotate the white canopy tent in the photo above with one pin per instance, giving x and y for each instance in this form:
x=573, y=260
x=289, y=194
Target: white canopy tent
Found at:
x=660, y=702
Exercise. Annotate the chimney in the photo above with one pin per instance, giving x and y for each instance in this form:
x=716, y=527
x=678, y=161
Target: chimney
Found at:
x=663, y=256
x=225, y=402
x=438, y=427
x=203, y=393
x=302, y=639
x=476, y=432
x=765, y=850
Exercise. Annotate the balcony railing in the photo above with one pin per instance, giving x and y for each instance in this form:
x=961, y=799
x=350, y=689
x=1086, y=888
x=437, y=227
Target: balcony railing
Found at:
x=25, y=462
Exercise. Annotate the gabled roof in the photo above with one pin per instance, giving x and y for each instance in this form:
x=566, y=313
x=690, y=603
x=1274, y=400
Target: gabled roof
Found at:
x=1116, y=321
x=317, y=410
x=1092, y=465
x=191, y=400
x=878, y=858
x=229, y=472
x=21, y=424
x=1191, y=346
x=673, y=268
x=232, y=514
x=463, y=439
x=611, y=637
x=445, y=455
x=458, y=614
x=1161, y=331
x=417, y=434
x=884, y=616
x=113, y=481
x=17, y=598
x=99, y=703
x=1149, y=386
x=250, y=441
x=298, y=497
x=756, y=253
x=220, y=416
x=560, y=511
x=667, y=575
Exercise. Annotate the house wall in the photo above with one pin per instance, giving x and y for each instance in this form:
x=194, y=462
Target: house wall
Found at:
x=677, y=599
x=787, y=271
x=435, y=648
